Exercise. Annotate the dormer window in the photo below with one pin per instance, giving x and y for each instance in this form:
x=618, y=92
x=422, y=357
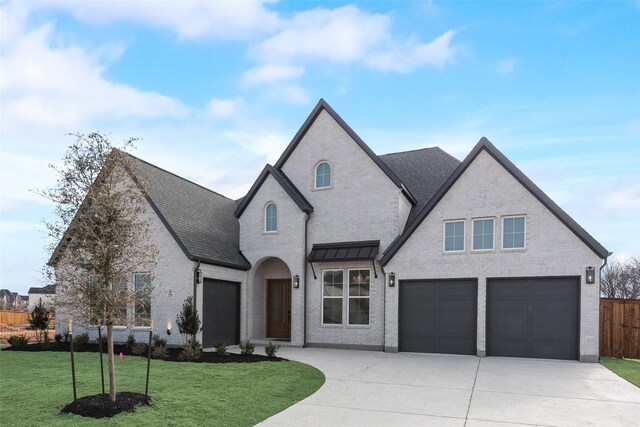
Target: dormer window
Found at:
x=271, y=217
x=323, y=175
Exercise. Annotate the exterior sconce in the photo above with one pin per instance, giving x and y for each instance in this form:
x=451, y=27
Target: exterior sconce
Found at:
x=199, y=276
x=392, y=280
x=591, y=275
x=168, y=327
x=296, y=281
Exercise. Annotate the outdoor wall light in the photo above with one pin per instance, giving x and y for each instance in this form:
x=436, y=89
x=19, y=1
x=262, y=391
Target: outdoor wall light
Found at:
x=392, y=280
x=199, y=276
x=591, y=275
x=169, y=327
x=296, y=281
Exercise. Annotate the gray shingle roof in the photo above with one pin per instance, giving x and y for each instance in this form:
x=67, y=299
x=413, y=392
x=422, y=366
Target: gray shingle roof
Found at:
x=422, y=171
x=200, y=220
x=49, y=289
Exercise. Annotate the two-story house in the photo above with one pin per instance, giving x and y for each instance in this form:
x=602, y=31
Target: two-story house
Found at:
x=336, y=246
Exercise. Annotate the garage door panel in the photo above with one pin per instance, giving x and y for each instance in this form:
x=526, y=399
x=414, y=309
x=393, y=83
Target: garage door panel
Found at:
x=533, y=317
x=221, y=312
x=438, y=316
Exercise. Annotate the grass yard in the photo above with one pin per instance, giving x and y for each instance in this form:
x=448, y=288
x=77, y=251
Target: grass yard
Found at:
x=35, y=386
x=629, y=369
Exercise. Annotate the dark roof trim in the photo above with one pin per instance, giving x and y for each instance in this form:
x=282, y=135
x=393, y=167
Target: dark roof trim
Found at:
x=323, y=105
x=224, y=264
x=49, y=289
x=485, y=144
x=284, y=182
x=344, y=251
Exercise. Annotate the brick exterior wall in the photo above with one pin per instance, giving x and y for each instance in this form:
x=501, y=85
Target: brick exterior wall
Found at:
x=486, y=189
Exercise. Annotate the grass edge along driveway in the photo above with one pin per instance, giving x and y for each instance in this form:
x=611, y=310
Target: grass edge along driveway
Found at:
x=629, y=369
x=34, y=387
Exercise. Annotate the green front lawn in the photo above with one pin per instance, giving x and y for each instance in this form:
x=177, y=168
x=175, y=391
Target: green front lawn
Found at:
x=34, y=387
x=629, y=369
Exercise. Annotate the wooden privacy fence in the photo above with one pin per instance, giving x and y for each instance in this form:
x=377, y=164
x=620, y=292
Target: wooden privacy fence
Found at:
x=620, y=328
x=13, y=317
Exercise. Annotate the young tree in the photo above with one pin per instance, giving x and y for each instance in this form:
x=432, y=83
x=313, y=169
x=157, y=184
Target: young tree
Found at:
x=39, y=322
x=102, y=235
x=188, y=323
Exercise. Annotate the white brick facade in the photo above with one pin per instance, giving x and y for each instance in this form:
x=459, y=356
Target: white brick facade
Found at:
x=486, y=189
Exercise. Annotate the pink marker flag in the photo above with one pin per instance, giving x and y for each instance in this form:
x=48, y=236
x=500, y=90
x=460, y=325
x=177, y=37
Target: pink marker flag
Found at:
x=120, y=355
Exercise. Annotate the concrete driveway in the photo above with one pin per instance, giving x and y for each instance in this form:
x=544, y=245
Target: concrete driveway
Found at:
x=366, y=388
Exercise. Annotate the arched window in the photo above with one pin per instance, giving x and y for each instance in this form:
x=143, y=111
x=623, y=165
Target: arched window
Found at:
x=271, y=217
x=323, y=175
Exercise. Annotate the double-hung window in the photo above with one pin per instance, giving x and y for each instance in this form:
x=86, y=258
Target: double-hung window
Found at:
x=271, y=217
x=142, y=312
x=513, y=232
x=454, y=236
x=332, y=296
x=359, y=289
x=323, y=175
x=482, y=234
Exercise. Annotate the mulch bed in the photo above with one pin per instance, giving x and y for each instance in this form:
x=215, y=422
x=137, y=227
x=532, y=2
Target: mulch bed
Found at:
x=173, y=352
x=99, y=405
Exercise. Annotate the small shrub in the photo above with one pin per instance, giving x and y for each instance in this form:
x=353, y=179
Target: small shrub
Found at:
x=18, y=341
x=80, y=342
x=58, y=337
x=222, y=349
x=131, y=341
x=159, y=349
x=247, y=347
x=67, y=336
x=271, y=349
x=104, y=341
x=188, y=322
x=139, y=349
x=190, y=354
x=39, y=322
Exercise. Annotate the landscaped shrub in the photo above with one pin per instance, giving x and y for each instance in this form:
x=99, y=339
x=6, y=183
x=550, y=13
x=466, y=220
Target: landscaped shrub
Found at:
x=67, y=336
x=131, y=341
x=18, y=341
x=104, y=343
x=39, y=322
x=271, y=349
x=188, y=322
x=190, y=353
x=80, y=342
x=139, y=349
x=222, y=349
x=159, y=350
x=247, y=347
x=58, y=337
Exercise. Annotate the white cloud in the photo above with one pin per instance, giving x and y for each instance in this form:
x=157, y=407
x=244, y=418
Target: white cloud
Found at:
x=62, y=88
x=269, y=145
x=270, y=73
x=188, y=19
x=348, y=35
x=224, y=108
x=506, y=66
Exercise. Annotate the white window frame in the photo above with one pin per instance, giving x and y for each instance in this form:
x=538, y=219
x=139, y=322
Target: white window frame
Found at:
x=266, y=207
x=524, y=237
x=341, y=297
x=349, y=297
x=464, y=236
x=315, y=176
x=135, y=311
x=473, y=234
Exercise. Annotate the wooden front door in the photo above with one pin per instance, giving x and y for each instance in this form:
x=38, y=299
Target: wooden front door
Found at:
x=279, y=308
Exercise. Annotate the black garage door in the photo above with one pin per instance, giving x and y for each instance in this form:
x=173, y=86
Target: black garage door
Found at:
x=535, y=317
x=221, y=313
x=438, y=316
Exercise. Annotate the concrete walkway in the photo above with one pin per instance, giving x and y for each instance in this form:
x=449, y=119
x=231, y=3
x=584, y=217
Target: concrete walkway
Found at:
x=381, y=389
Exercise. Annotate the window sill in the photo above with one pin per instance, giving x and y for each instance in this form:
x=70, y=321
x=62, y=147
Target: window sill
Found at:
x=323, y=188
x=332, y=326
x=359, y=326
x=115, y=328
x=454, y=252
x=269, y=233
x=141, y=328
x=482, y=251
x=513, y=249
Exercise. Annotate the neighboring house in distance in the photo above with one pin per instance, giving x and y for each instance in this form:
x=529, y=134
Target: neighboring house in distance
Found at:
x=336, y=246
x=45, y=294
x=13, y=301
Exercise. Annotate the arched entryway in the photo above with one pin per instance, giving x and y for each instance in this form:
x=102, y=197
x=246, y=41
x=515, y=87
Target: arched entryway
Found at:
x=272, y=300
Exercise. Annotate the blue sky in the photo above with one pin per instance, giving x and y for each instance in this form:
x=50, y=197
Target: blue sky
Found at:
x=217, y=89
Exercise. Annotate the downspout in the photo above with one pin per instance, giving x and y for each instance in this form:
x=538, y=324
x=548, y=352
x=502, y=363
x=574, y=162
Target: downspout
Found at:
x=604, y=264
x=307, y=217
x=384, y=308
x=195, y=286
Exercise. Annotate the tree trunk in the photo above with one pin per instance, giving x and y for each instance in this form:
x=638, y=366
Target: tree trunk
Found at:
x=112, y=371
